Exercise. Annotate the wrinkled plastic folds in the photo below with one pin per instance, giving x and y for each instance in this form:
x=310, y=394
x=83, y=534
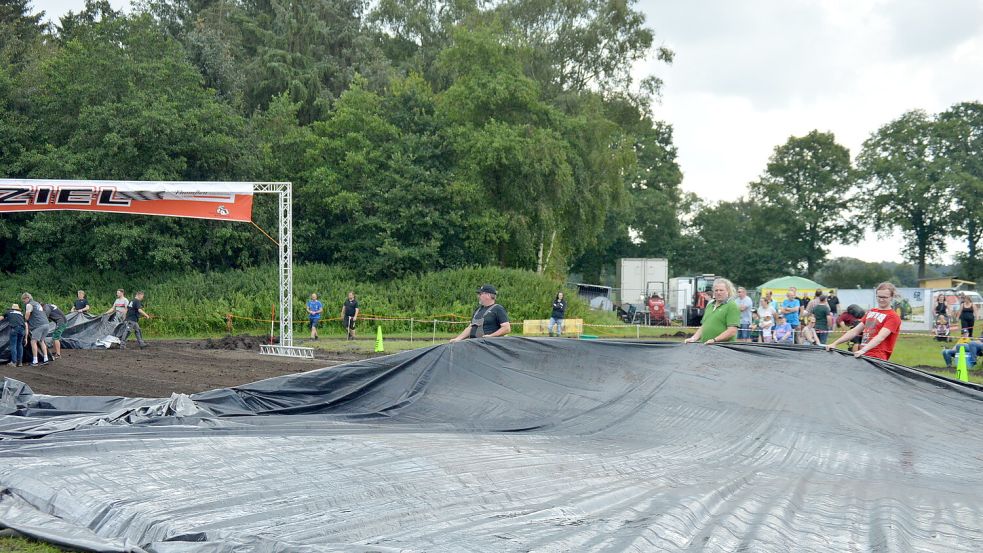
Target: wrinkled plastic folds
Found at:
x=513, y=445
x=84, y=332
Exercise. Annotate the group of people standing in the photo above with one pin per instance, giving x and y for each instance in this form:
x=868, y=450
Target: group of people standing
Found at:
x=793, y=321
x=349, y=314
x=963, y=310
x=730, y=317
x=32, y=325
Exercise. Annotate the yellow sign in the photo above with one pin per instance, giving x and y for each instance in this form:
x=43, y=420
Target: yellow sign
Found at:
x=540, y=327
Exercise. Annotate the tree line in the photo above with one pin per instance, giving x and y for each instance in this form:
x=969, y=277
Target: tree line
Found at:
x=424, y=136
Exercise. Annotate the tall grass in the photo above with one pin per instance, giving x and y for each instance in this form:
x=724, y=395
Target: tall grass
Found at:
x=196, y=304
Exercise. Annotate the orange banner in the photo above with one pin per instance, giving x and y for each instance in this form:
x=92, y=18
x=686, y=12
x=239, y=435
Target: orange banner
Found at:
x=226, y=201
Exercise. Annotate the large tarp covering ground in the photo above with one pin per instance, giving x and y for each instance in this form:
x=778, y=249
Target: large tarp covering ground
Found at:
x=513, y=445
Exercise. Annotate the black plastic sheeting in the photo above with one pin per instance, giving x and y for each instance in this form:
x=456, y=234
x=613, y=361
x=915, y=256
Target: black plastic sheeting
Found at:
x=83, y=332
x=513, y=445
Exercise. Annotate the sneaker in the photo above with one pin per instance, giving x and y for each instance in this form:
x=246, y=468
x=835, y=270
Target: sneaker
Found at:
x=11, y=364
x=56, y=356
x=46, y=361
x=34, y=363
x=143, y=345
x=20, y=364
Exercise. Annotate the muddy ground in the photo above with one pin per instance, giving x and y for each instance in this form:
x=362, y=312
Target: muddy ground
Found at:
x=164, y=367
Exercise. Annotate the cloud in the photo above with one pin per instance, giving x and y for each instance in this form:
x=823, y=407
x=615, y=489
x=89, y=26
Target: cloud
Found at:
x=748, y=75
x=925, y=30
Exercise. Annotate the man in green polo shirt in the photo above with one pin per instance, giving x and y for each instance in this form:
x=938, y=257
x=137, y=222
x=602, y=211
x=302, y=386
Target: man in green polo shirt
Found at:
x=721, y=318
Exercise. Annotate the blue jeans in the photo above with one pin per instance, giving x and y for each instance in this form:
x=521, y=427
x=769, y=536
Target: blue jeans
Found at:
x=973, y=350
x=555, y=323
x=823, y=335
x=744, y=331
x=16, y=346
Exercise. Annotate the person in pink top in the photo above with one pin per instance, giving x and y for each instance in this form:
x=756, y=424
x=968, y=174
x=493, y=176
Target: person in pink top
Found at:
x=880, y=327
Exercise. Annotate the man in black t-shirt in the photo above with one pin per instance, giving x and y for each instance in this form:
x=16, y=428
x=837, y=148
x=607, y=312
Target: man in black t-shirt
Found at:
x=833, y=302
x=349, y=312
x=489, y=320
x=134, y=310
x=81, y=305
x=61, y=323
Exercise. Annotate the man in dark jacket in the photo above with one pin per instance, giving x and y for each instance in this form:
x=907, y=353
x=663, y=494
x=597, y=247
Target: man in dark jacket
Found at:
x=17, y=329
x=557, y=315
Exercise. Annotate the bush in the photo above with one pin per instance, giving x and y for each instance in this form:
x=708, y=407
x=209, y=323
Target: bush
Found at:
x=195, y=304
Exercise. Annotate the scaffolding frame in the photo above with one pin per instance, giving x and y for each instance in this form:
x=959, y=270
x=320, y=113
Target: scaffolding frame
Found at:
x=284, y=259
x=286, y=347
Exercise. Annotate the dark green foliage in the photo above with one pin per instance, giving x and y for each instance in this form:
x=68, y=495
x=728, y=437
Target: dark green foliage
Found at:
x=960, y=130
x=904, y=173
x=744, y=241
x=809, y=181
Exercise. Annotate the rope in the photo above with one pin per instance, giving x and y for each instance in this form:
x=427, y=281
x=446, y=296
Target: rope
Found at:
x=265, y=233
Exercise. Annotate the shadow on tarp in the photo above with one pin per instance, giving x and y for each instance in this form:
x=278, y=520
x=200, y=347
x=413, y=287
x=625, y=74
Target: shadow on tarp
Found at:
x=513, y=444
x=83, y=332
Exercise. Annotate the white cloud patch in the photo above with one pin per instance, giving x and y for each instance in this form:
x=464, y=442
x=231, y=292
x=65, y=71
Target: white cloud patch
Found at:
x=748, y=75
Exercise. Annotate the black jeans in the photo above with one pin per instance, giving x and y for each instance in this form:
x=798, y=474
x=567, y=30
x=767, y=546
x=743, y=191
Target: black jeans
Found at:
x=133, y=326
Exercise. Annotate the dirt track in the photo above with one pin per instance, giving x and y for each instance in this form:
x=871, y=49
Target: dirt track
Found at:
x=162, y=368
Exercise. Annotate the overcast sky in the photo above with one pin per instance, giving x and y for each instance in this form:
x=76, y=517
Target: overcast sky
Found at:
x=750, y=74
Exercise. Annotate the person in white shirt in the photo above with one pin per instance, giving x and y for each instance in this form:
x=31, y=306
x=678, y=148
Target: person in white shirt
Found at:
x=119, y=306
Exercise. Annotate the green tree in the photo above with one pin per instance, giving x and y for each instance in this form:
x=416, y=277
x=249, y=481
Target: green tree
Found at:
x=848, y=272
x=552, y=176
x=119, y=100
x=809, y=180
x=583, y=45
x=413, y=34
x=21, y=33
x=743, y=240
x=381, y=196
x=960, y=129
x=904, y=174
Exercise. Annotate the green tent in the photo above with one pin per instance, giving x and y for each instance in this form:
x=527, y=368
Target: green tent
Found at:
x=779, y=286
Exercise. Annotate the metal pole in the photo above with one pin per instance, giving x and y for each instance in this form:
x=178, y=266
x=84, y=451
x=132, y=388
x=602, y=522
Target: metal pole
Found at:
x=411, y=330
x=286, y=267
x=435, y=331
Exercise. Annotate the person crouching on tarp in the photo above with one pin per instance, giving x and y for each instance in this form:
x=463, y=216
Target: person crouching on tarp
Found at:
x=489, y=320
x=721, y=317
x=880, y=327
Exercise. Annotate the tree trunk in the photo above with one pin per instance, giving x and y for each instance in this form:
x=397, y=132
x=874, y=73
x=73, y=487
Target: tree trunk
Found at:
x=972, y=262
x=539, y=258
x=922, y=247
x=549, y=252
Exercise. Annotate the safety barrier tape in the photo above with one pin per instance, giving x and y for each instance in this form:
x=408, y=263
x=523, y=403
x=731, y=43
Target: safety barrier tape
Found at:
x=624, y=326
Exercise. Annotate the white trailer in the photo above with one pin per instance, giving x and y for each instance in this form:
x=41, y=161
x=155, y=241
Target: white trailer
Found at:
x=640, y=277
x=680, y=296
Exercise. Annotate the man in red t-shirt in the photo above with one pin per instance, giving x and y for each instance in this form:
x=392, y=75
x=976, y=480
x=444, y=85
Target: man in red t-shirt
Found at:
x=880, y=327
